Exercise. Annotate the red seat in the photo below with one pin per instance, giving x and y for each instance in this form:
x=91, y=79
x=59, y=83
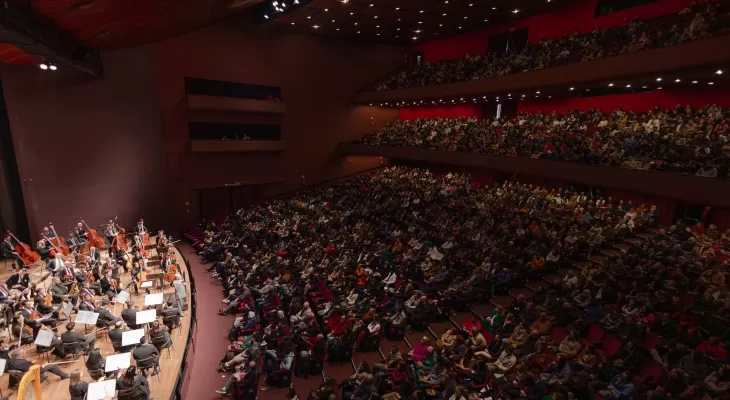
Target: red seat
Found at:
x=651, y=341
x=595, y=334
x=610, y=346
x=558, y=334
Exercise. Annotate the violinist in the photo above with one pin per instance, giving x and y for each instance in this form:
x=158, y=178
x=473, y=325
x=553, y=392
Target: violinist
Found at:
x=61, y=291
x=86, y=304
x=44, y=249
x=5, y=296
x=85, y=342
x=8, y=251
x=33, y=320
x=44, y=302
x=91, y=288
x=135, y=272
x=17, y=363
x=109, y=285
x=19, y=280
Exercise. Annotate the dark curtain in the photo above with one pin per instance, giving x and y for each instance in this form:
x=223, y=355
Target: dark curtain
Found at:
x=215, y=203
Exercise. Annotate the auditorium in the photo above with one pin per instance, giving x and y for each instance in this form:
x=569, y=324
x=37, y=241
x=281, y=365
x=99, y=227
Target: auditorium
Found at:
x=365, y=200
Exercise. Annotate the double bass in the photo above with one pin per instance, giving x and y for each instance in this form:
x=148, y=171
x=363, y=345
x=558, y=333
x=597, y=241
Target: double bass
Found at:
x=94, y=238
x=58, y=242
x=24, y=251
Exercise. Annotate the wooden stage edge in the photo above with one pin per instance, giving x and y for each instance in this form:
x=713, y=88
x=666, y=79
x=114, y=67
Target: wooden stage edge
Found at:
x=170, y=364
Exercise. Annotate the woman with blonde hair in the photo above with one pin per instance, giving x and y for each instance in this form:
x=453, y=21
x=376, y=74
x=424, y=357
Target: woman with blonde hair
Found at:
x=76, y=386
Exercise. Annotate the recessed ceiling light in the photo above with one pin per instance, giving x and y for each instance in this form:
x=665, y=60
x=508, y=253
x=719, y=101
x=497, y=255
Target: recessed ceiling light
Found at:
x=326, y=9
x=459, y=27
x=355, y=23
x=398, y=19
x=396, y=9
x=315, y=26
x=486, y=20
x=523, y=95
x=378, y=34
x=494, y=8
x=420, y=12
x=659, y=88
x=376, y=17
x=337, y=29
x=644, y=87
x=414, y=38
x=352, y=13
x=420, y=22
x=441, y=24
x=718, y=72
x=515, y=11
x=572, y=88
x=309, y=17
x=397, y=29
x=466, y=17
x=658, y=79
x=371, y=4
x=358, y=31
x=292, y=23
x=377, y=26
x=417, y=31
x=550, y=97
x=628, y=86
x=333, y=21
x=444, y=14
x=538, y=92
x=677, y=80
x=610, y=85
x=694, y=81
x=710, y=83
x=471, y=4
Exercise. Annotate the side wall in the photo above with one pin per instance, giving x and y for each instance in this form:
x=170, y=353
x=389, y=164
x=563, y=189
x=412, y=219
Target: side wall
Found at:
x=317, y=77
x=88, y=147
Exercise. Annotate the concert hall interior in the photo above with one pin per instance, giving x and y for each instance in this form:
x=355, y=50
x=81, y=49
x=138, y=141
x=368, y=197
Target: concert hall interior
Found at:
x=365, y=199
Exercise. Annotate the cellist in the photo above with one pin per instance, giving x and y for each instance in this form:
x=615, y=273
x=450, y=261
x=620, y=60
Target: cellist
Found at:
x=8, y=252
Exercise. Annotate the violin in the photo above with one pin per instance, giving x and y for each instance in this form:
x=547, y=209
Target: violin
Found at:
x=24, y=251
x=48, y=301
x=58, y=242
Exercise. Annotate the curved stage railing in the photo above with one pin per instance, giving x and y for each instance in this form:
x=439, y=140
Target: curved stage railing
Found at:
x=183, y=376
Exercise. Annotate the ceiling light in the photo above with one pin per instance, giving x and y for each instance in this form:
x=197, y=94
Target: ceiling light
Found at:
x=326, y=9
x=43, y=66
x=415, y=38
x=572, y=88
x=53, y=67
x=494, y=8
x=345, y=1
x=550, y=97
x=610, y=85
x=396, y=9
x=643, y=87
x=376, y=17
x=459, y=27
x=398, y=19
x=315, y=26
x=628, y=86
x=471, y=4
x=694, y=81
x=266, y=16
x=337, y=29
x=358, y=31
x=420, y=22
x=515, y=11
x=355, y=23
x=466, y=17
x=377, y=26
x=710, y=83
x=378, y=34
x=658, y=79
x=441, y=24
x=352, y=13
x=718, y=72
x=677, y=80
x=659, y=88
x=420, y=12
x=523, y=95
x=444, y=14
x=309, y=17
x=538, y=92
x=417, y=30
x=397, y=29
x=333, y=21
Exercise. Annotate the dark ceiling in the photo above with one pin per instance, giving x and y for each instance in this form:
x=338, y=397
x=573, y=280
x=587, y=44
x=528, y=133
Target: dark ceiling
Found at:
x=111, y=24
x=400, y=21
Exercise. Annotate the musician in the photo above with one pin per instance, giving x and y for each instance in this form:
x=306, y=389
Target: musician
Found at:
x=170, y=314
x=140, y=229
x=43, y=247
x=87, y=304
x=76, y=387
x=161, y=242
x=41, y=303
x=8, y=252
x=60, y=291
x=73, y=242
x=115, y=335
x=105, y=316
x=137, y=243
x=135, y=273
x=95, y=361
x=129, y=315
x=91, y=288
x=57, y=264
x=33, y=321
x=19, y=280
x=146, y=356
x=108, y=285
x=81, y=233
x=137, y=384
x=111, y=231
x=5, y=296
x=20, y=364
x=181, y=293
x=159, y=336
x=93, y=257
x=87, y=343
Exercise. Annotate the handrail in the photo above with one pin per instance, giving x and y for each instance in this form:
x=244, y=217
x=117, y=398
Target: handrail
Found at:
x=177, y=390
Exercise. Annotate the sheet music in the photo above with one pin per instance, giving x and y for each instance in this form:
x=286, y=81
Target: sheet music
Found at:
x=67, y=310
x=101, y=390
x=146, y=284
x=116, y=362
x=132, y=337
x=86, y=317
x=44, y=338
x=154, y=299
x=122, y=297
x=2, y=366
x=145, y=317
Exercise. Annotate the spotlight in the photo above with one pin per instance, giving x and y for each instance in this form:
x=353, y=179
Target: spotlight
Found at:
x=415, y=38
x=538, y=92
x=52, y=67
x=628, y=86
x=710, y=83
x=515, y=11
x=266, y=16
x=43, y=66
x=572, y=88
x=315, y=26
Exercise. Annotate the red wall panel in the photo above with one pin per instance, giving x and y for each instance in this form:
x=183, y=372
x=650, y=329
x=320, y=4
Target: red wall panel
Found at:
x=469, y=110
x=556, y=24
x=629, y=102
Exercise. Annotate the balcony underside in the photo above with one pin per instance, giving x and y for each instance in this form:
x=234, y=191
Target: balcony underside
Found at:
x=687, y=188
x=712, y=51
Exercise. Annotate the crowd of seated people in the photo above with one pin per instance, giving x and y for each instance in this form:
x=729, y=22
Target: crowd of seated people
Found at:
x=699, y=21
x=333, y=270
x=683, y=140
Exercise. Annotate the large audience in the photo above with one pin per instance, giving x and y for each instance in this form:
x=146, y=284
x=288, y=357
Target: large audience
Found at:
x=609, y=304
x=681, y=140
x=696, y=22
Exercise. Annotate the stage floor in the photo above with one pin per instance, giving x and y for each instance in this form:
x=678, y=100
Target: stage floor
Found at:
x=57, y=389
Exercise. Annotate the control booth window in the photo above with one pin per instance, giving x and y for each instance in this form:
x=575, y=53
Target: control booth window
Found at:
x=607, y=7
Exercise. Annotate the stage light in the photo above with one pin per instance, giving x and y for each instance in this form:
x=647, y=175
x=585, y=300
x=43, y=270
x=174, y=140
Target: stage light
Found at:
x=444, y=14
x=538, y=92
x=266, y=16
x=471, y=4
x=628, y=86
x=415, y=38
x=315, y=26
x=420, y=12
x=494, y=8
x=515, y=11
x=466, y=17
x=292, y=23
x=416, y=31
x=459, y=27
x=420, y=22
x=694, y=81
x=309, y=17
x=572, y=88
x=333, y=21
x=396, y=9
x=375, y=17
x=43, y=66
x=326, y=9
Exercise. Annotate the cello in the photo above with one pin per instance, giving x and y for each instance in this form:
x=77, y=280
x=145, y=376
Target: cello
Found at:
x=27, y=255
x=94, y=238
x=58, y=242
x=171, y=271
